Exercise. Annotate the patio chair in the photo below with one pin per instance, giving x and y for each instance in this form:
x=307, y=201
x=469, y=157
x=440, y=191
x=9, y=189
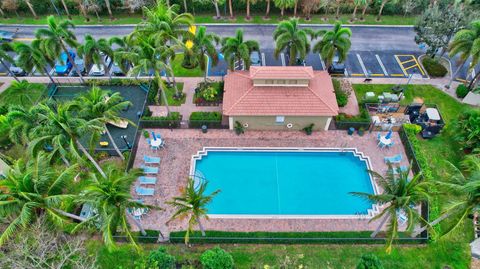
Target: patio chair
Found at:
x=391, y=145
x=149, y=169
x=148, y=141
x=402, y=218
x=158, y=136
x=144, y=191
x=378, y=136
x=394, y=159
x=151, y=160
x=147, y=180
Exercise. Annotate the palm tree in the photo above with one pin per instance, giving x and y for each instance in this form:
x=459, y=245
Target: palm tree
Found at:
x=294, y=40
x=5, y=57
x=283, y=4
x=248, y=2
x=334, y=42
x=267, y=10
x=61, y=128
x=112, y=199
x=204, y=45
x=357, y=3
x=105, y=107
x=94, y=51
x=192, y=204
x=465, y=189
x=30, y=6
x=466, y=43
x=338, y=3
x=382, y=5
x=235, y=49
x=165, y=23
x=33, y=188
x=146, y=56
x=22, y=121
x=31, y=57
x=230, y=9
x=55, y=39
x=365, y=6
x=400, y=195
x=123, y=45
x=66, y=9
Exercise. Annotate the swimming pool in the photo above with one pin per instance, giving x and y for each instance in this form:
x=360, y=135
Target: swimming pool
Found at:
x=290, y=183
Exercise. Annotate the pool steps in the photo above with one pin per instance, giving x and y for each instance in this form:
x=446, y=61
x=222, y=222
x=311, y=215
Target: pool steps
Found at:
x=370, y=212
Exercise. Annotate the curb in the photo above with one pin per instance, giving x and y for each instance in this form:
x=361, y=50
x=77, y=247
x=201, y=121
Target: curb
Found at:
x=219, y=24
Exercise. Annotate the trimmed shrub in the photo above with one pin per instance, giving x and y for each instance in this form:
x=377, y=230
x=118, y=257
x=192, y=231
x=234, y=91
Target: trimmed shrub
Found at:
x=340, y=94
x=216, y=258
x=434, y=68
x=467, y=129
x=171, y=121
x=414, y=128
x=461, y=91
x=160, y=259
x=369, y=261
x=206, y=116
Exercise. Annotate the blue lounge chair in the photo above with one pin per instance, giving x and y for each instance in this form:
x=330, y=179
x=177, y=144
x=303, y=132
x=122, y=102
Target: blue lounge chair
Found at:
x=149, y=169
x=147, y=180
x=148, y=141
x=151, y=160
x=394, y=159
x=144, y=191
x=403, y=168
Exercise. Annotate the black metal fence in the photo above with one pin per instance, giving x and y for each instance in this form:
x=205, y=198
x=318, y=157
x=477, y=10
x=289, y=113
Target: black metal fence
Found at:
x=345, y=125
x=171, y=124
x=210, y=124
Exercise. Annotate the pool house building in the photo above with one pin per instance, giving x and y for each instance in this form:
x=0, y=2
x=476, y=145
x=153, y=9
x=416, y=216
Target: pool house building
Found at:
x=279, y=98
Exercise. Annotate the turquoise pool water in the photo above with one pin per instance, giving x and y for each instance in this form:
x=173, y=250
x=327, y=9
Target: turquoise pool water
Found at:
x=285, y=183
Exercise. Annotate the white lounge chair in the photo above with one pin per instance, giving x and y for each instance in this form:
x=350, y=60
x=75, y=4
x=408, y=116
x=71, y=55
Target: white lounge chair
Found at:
x=145, y=191
x=147, y=180
x=149, y=169
x=151, y=160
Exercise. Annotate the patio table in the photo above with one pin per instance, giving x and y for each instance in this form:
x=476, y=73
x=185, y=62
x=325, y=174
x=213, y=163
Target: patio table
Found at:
x=156, y=143
x=384, y=141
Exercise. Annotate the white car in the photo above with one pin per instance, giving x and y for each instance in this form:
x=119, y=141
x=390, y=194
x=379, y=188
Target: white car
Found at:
x=97, y=70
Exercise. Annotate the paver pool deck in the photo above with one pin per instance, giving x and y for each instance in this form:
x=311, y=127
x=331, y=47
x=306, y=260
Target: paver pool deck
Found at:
x=181, y=144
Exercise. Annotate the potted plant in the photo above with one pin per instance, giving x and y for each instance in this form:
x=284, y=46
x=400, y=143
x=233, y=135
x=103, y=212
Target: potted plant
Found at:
x=308, y=129
x=239, y=128
x=361, y=131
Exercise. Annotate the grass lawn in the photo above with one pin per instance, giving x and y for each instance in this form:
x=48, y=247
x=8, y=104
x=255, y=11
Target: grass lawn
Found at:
x=170, y=91
x=180, y=71
x=208, y=18
x=18, y=94
x=434, y=255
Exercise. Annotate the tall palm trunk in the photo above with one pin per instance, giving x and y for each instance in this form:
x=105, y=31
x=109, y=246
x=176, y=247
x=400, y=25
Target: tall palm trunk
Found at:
x=267, y=12
x=48, y=74
x=379, y=16
x=230, y=9
x=202, y=229
x=433, y=223
x=362, y=18
x=72, y=216
x=66, y=9
x=136, y=222
x=217, y=10
x=84, y=12
x=337, y=13
x=31, y=9
x=109, y=9
x=84, y=151
x=248, y=10
x=295, y=9
x=281, y=11
x=2, y=13
x=385, y=218
x=185, y=6
x=7, y=68
x=162, y=92
x=72, y=61
x=354, y=14
x=326, y=13
x=106, y=68
x=64, y=160
x=454, y=75
x=113, y=142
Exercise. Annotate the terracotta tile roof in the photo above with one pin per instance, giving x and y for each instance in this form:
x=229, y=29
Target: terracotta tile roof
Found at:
x=241, y=98
x=281, y=72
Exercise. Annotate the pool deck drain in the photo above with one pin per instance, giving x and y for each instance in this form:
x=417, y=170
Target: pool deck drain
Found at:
x=182, y=144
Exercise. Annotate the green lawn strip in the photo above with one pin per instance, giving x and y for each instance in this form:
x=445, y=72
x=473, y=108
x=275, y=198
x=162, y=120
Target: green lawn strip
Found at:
x=180, y=71
x=208, y=18
x=25, y=96
x=431, y=256
x=170, y=92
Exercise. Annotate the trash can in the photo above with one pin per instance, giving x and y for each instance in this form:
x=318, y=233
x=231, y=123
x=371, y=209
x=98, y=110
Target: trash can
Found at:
x=204, y=129
x=351, y=130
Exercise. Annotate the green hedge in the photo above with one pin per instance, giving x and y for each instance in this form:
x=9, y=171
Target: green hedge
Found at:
x=171, y=121
x=282, y=237
x=340, y=94
x=206, y=116
x=434, y=68
x=461, y=91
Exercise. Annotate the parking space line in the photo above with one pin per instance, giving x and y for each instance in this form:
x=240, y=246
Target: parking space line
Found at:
x=408, y=61
x=263, y=59
x=381, y=65
x=362, y=65
x=358, y=75
x=3, y=74
x=400, y=64
x=23, y=39
x=406, y=68
x=282, y=57
x=419, y=66
x=321, y=61
x=377, y=75
x=461, y=80
x=397, y=75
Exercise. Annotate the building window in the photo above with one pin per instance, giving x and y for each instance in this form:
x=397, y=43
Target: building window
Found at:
x=280, y=81
x=292, y=82
x=280, y=119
